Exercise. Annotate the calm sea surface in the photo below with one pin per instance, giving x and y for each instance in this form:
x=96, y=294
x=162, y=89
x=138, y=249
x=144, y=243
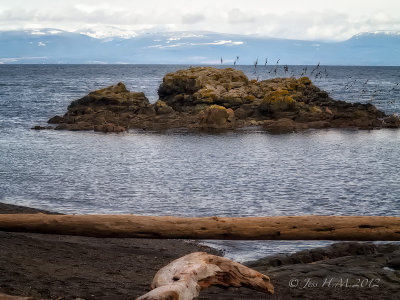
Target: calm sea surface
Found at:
x=325, y=172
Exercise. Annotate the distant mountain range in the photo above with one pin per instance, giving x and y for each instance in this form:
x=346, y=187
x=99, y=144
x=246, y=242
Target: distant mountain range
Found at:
x=57, y=46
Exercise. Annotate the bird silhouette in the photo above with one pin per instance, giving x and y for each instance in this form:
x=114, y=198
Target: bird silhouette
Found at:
x=286, y=68
x=222, y=61
x=256, y=63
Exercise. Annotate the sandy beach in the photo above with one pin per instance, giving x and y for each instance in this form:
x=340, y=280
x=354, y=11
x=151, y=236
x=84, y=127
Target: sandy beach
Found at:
x=72, y=267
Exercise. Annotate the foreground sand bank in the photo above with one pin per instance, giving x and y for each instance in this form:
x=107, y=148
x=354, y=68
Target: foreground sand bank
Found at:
x=70, y=267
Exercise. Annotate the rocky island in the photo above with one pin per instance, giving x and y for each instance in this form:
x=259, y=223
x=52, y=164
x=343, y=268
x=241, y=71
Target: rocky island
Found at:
x=205, y=98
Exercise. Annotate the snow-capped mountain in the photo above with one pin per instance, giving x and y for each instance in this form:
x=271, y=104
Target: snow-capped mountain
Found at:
x=57, y=46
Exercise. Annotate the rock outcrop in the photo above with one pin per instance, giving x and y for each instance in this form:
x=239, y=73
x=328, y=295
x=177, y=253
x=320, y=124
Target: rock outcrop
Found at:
x=217, y=117
x=205, y=98
x=109, y=110
x=339, y=271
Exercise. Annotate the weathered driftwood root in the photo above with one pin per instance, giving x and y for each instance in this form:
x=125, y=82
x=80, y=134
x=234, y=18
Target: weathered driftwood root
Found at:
x=350, y=228
x=185, y=277
x=9, y=297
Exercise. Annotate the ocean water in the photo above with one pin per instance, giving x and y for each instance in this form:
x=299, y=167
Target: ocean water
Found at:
x=324, y=172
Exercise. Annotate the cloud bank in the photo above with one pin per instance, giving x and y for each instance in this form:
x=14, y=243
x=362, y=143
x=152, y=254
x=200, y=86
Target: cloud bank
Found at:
x=307, y=20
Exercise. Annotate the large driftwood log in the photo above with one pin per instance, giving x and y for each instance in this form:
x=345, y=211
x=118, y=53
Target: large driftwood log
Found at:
x=349, y=228
x=185, y=277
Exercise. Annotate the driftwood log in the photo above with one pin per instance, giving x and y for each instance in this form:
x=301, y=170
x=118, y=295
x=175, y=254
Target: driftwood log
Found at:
x=185, y=277
x=350, y=228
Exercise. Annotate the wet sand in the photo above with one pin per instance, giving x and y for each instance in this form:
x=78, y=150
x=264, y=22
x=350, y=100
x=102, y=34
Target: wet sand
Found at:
x=71, y=267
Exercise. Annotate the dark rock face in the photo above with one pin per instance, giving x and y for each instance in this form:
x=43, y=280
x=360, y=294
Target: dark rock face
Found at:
x=205, y=98
x=41, y=127
x=217, y=117
x=340, y=271
x=196, y=88
x=108, y=110
x=394, y=262
x=114, y=97
x=55, y=120
x=318, y=254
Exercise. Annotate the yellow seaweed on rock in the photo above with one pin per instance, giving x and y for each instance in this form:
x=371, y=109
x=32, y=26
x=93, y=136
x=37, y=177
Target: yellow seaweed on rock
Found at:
x=305, y=80
x=217, y=117
x=250, y=98
x=206, y=95
x=279, y=100
x=315, y=109
x=215, y=106
x=160, y=103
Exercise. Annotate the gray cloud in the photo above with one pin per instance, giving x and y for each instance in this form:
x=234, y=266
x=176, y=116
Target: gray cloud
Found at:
x=72, y=14
x=17, y=59
x=192, y=18
x=124, y=18
x=312, y=25
x=238, y=16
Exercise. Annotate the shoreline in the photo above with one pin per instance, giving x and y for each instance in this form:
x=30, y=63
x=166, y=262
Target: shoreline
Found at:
x=70, y=267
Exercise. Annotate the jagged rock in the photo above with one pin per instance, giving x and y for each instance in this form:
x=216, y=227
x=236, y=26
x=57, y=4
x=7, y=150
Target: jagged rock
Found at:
x=318, y=254
x=278, y=98
x=115, y=97
x=340, y=271
x=277, y=101
x=217, y=117
x=107, y=110
x=207, y=98
x=394, y=261
x=55, y=120
x=392, y=121
x=283, y=125
x=163, y=108
x=184, y=89
x=109, y=128
x=37, y=127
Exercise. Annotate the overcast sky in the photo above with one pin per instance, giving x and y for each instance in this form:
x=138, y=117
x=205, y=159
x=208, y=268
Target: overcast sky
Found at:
x=299, y=19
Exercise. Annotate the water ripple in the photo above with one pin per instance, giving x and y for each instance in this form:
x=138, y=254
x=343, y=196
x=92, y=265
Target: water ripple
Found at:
x=329, y=172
